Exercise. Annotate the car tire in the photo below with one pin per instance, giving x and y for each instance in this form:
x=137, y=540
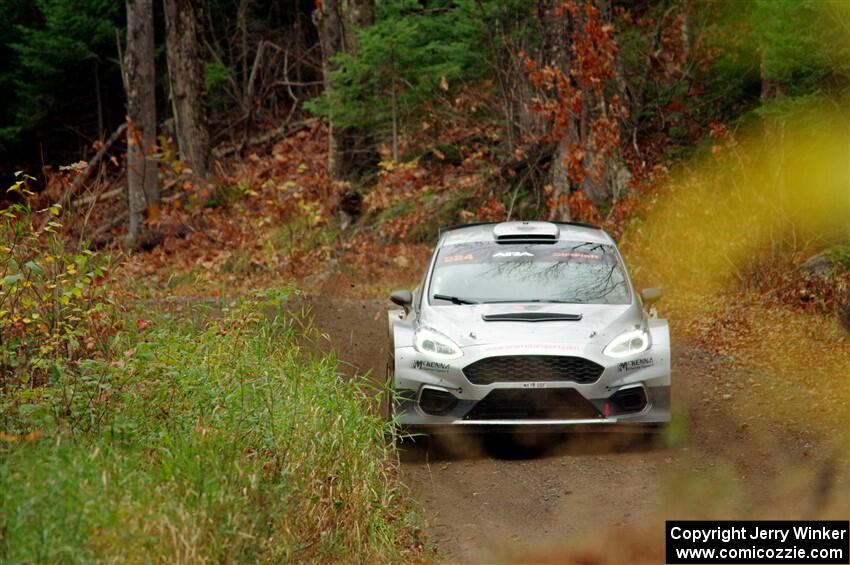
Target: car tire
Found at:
x=648, y=436
x=518, y=444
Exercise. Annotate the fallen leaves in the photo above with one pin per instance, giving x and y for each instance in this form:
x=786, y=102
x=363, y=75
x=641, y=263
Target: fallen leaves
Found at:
x=25, y=438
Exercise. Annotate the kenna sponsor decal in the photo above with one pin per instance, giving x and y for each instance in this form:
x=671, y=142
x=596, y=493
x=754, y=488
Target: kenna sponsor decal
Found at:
x=433, y=366
x=641, y=363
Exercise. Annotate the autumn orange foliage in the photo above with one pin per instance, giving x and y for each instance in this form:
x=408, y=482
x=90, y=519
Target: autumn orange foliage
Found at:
x=576, y=100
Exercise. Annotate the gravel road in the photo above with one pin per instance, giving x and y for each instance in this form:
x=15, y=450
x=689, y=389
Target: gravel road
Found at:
x=603, y=498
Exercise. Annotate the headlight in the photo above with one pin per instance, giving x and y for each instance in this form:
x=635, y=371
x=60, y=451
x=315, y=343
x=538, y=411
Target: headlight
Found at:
x=435, y=344
x=628, y=343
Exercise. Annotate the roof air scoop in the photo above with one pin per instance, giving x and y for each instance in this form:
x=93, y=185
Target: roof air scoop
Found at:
x=526, y=232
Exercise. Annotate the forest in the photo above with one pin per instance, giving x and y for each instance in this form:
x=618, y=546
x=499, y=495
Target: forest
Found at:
x=196, y=191
x=572, y=101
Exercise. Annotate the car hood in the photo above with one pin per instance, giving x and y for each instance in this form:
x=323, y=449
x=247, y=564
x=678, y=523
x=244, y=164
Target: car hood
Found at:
x=466, y=325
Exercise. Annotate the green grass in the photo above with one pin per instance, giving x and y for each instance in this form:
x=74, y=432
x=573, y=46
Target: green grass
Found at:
x=840, y=257
x=216, y=440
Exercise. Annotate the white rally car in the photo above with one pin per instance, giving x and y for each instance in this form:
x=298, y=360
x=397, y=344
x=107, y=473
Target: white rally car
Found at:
x=527, y=324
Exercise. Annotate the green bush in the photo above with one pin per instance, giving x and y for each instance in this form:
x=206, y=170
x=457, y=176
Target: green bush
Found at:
x=55, y=313
x=226, y=442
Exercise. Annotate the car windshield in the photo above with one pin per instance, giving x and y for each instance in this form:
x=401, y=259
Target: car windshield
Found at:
x=568, y=271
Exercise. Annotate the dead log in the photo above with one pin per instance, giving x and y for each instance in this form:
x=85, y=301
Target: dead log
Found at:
x=100, y=236
x=98, y=197
x=93, y=163
x=264, y=138
x=91, y=167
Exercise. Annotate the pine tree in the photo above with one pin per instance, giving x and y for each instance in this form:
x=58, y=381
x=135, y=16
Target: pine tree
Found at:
x=58, y=59
x=406, y=59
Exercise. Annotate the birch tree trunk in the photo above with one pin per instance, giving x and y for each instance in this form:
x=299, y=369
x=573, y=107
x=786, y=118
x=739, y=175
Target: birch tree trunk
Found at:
x=142, y=181
x=186, y=82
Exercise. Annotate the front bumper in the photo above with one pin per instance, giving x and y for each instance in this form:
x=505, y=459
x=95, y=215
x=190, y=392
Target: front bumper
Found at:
x=438, y=395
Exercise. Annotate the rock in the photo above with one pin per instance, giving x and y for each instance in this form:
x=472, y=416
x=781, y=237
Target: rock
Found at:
x=819, y=265
x=831, y=261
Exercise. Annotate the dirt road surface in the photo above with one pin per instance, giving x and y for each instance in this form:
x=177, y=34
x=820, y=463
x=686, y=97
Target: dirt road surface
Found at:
x=603, y=498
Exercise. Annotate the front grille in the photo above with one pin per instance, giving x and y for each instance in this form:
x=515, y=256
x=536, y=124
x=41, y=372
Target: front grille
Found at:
x=533, y=404
x=523, y=368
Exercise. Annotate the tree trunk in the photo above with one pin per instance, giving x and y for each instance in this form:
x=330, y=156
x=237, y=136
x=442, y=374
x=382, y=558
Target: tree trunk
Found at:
x=556, y=28
x=358, y=14
x=142, y=181
x=350, y=151
x=609, y=181
x=329, y=23
x=186, y=82
x=587, y=131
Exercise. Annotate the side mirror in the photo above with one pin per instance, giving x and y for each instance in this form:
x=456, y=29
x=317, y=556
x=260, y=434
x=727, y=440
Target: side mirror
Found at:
x=650, y=296
x=403, y=298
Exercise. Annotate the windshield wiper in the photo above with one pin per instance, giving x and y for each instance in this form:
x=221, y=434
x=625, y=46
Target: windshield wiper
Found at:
x=523, y=301
x=454, y=299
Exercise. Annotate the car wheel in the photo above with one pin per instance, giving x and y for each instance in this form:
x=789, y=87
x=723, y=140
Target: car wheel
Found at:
x=655, y=435
x=518, y=444
x=644, y=436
